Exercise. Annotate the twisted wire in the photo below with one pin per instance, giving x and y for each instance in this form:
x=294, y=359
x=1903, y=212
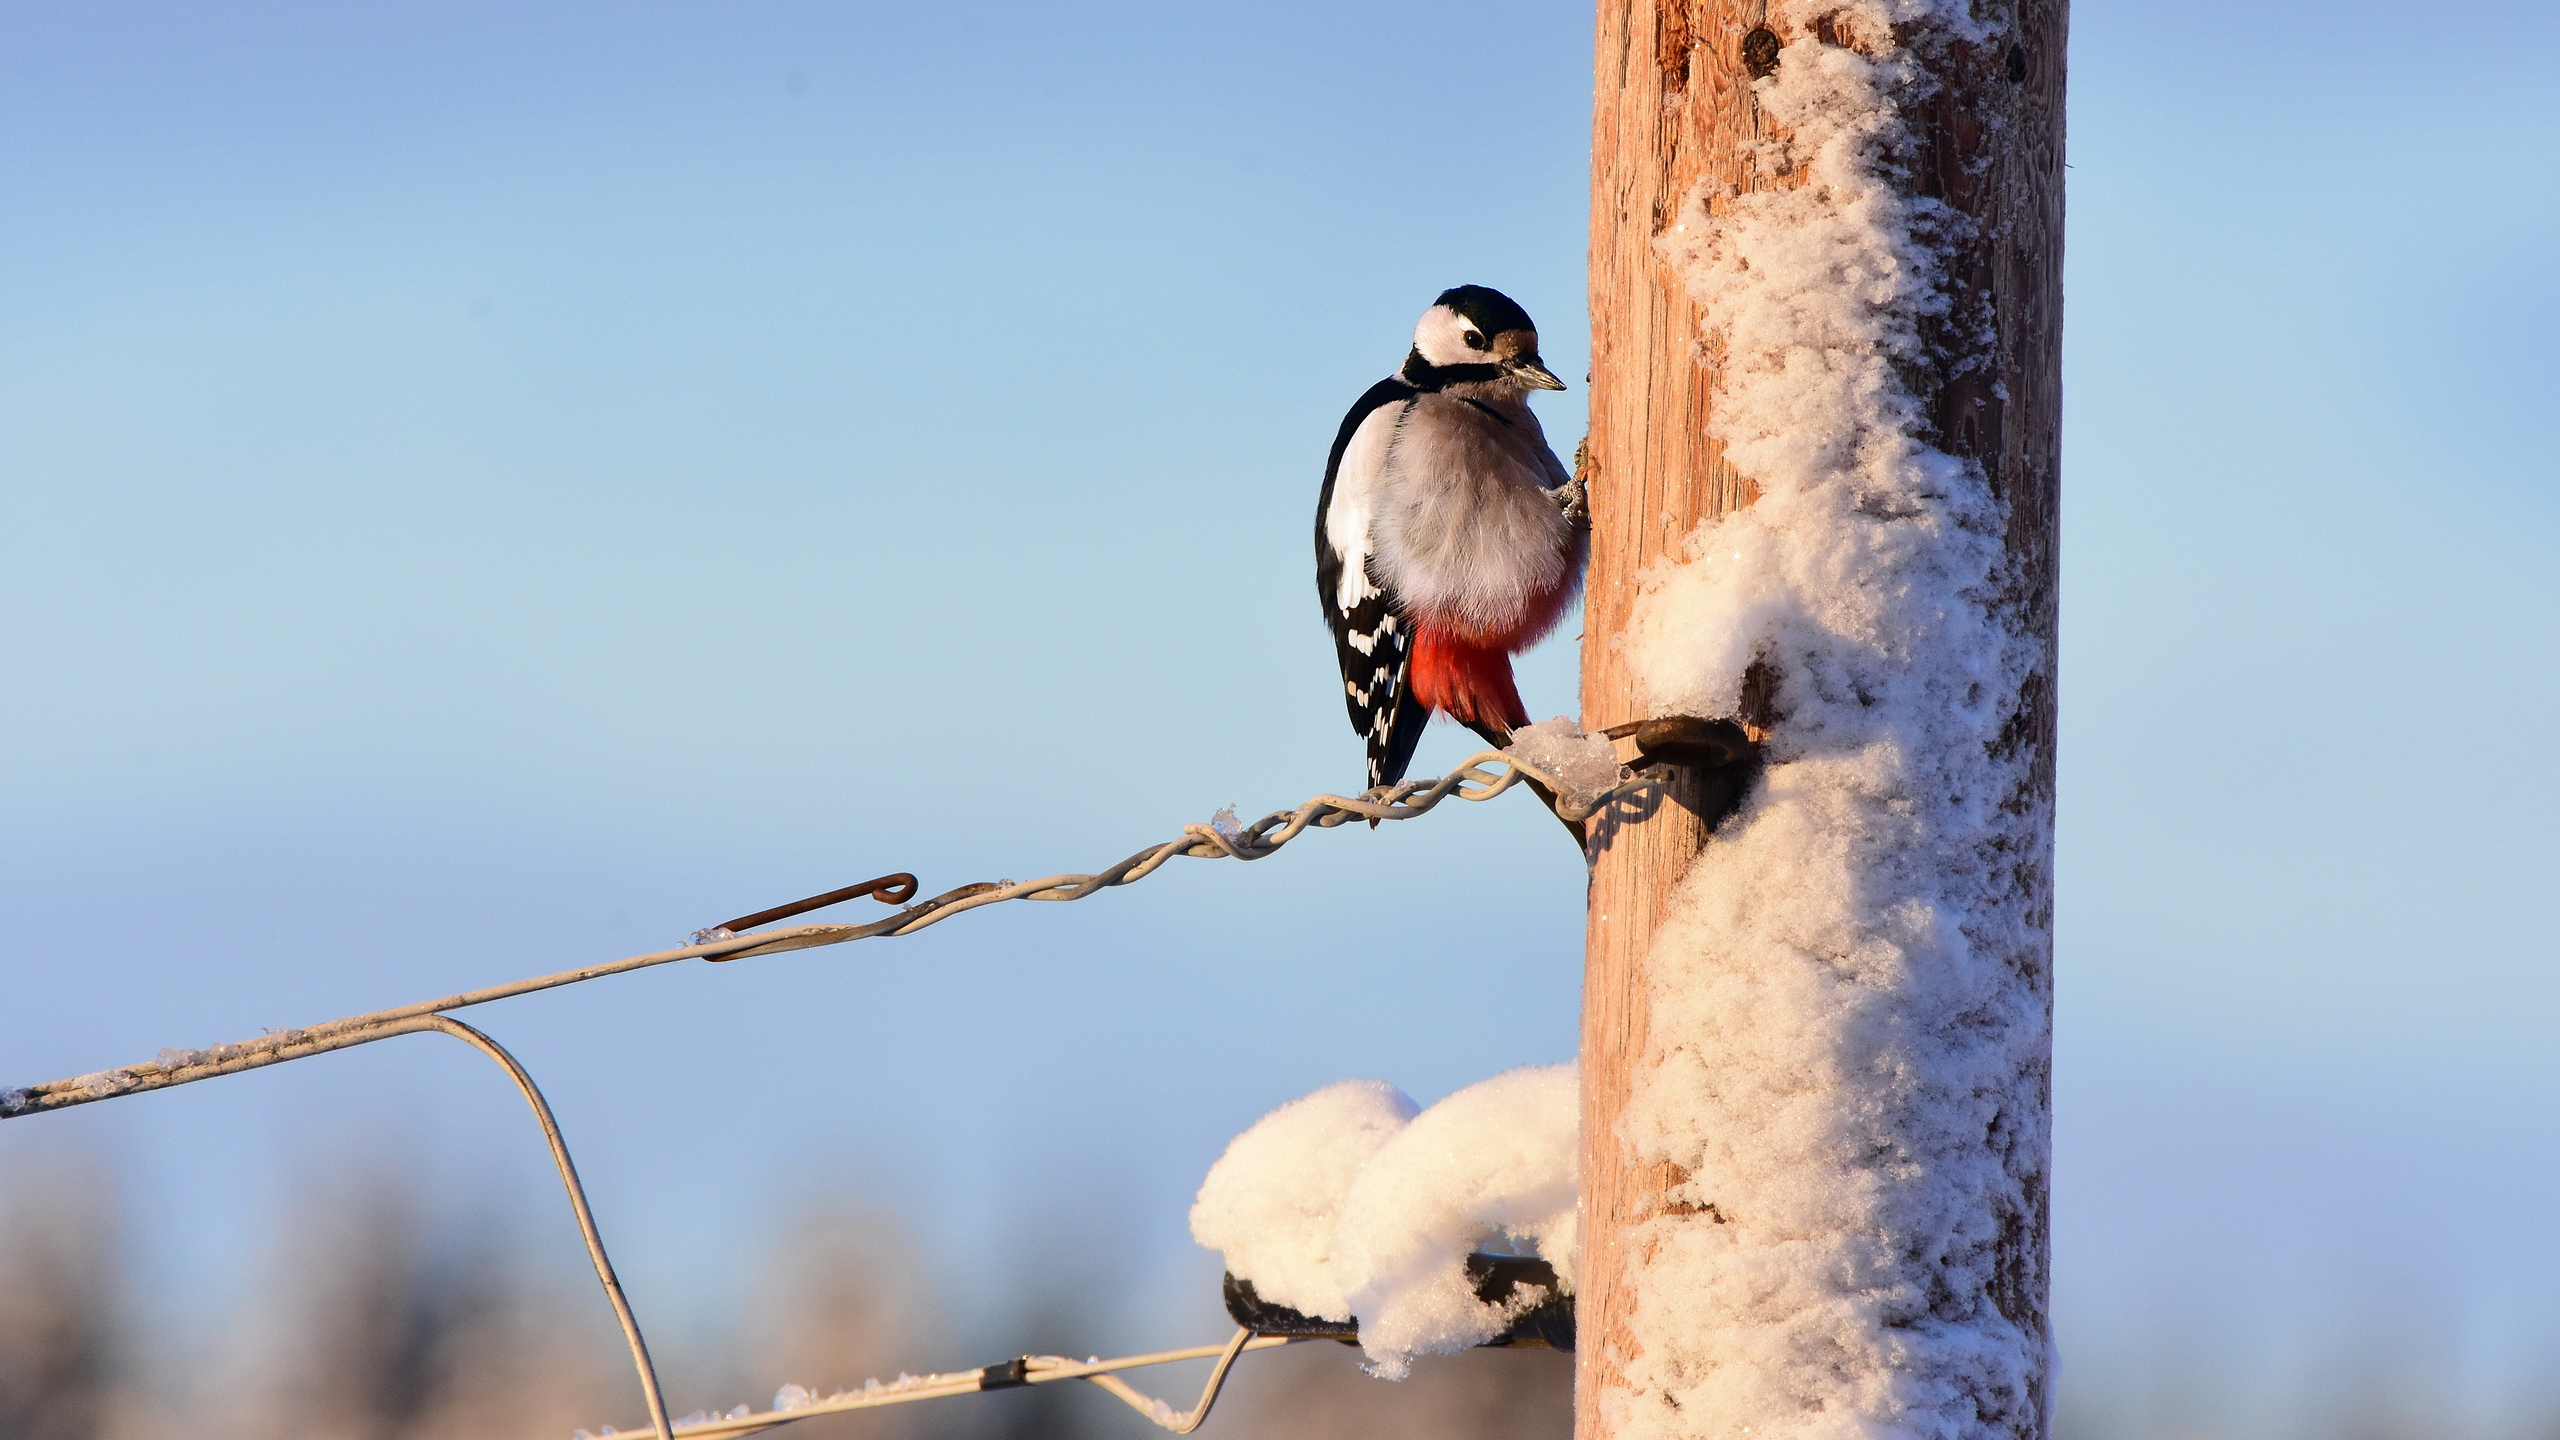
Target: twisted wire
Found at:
x=1479, y=778
x=1472, y=780
x=1028, y=1370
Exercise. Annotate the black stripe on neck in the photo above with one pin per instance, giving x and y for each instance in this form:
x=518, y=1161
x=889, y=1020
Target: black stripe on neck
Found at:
x=1421, y=374
x=1489, y=410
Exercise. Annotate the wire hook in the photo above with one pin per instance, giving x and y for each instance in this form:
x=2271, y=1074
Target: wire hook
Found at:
x=895, y=889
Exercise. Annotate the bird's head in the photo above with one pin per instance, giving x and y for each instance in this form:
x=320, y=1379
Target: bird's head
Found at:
x=1476, y=335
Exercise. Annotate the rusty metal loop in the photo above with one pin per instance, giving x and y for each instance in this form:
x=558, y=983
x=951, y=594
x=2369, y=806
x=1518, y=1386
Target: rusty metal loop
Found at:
x=895, y=889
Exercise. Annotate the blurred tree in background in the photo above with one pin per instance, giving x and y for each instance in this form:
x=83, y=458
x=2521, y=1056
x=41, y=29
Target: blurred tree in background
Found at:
x=374, y=1323
x=58, y=1288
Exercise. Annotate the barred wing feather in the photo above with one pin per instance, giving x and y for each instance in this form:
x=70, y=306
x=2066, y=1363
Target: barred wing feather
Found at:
x=1371, y=638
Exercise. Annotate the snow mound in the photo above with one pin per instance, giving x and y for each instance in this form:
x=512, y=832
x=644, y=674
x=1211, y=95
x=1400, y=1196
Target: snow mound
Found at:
x=1495, y=1162
x=1346, y=1203
x=1270, y=1202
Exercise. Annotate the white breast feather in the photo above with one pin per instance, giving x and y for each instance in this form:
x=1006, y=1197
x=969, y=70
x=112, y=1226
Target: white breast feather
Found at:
x=1354, y=508
x=1463, y=529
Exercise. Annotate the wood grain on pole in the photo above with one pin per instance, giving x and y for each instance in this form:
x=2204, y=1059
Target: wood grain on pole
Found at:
x=1670, y=108
x=1673, y=111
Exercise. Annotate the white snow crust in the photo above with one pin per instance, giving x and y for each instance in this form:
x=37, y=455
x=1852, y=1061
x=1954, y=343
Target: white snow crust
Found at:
x=1385, y=1236
x=1270, y=1203
x=1841, y=1057
x=1495, y=1162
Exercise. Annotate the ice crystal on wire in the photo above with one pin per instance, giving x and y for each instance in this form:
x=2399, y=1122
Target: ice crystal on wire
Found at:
x=1584, y=767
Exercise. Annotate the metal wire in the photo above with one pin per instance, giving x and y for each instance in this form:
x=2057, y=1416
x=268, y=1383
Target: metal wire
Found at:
x=1180, y=1422
x=895, y=889
x=1264, y=837
x=1481, y=777
x=577, y=1202
x=1010, y=1374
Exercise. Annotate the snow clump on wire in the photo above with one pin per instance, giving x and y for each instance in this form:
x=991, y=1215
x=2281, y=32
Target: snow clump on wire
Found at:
x=1584, y=767
x=1270, y=1203
x=1348, y=1203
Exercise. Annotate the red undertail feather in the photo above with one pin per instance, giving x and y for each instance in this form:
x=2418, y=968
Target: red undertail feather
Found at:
x=1466, y=682
x=1464, y=672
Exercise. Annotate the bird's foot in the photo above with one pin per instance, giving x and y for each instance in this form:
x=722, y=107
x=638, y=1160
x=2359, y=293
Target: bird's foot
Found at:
x=1573, y=497
x=1575, y=501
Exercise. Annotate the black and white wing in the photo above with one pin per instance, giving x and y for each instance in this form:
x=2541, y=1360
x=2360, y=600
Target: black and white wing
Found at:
x=1370, y=635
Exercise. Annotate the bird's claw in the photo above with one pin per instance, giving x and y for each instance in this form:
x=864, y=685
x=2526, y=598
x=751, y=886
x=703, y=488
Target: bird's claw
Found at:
x=1573, y=497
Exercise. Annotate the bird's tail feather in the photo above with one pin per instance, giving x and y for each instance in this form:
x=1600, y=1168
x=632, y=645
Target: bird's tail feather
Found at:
x=1391, y=753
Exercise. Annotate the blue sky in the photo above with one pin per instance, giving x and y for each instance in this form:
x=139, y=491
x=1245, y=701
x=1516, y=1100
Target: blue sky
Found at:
x=490, y=487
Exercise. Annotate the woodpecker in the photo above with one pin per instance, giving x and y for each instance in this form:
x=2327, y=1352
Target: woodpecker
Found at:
x=1449, y=538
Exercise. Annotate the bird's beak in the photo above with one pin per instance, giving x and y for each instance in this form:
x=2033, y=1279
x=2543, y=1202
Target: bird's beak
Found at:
x=1528, y=371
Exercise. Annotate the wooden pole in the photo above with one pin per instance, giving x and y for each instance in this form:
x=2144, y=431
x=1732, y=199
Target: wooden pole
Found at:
x=1674, y=111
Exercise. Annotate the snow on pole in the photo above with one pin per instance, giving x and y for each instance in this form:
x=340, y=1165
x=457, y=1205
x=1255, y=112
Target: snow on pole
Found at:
x=1826, y=258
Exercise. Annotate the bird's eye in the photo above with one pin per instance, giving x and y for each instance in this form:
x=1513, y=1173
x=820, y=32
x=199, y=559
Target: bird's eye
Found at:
x=1474, y=339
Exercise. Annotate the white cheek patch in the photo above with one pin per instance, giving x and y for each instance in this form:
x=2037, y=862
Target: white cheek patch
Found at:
x=1442, y=337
